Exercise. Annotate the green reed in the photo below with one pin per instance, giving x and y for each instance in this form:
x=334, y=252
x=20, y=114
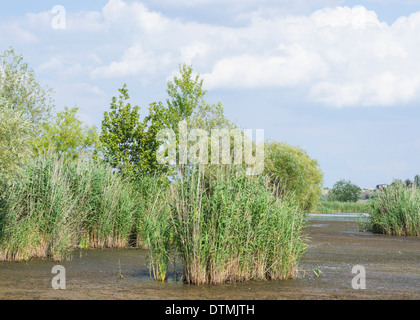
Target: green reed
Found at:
x=338, y=206
x=229, y=227
x=58, y=204
x=395, y=210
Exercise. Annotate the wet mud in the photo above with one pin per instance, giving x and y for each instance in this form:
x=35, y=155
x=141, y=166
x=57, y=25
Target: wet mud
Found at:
x=392, y=266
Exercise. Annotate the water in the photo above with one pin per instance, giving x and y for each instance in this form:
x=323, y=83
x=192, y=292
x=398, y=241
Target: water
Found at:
x=336, y=244
x=359, y=217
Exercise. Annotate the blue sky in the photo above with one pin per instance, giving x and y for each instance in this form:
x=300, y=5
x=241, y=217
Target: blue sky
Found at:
x=338, y=78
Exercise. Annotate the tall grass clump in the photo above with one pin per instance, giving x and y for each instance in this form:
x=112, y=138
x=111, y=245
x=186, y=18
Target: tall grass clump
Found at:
x=339, y=206
x=110, y=204
x=152, y=224
x=58, y=204
x=39, y=215
x=230, y=227
x=395, y=210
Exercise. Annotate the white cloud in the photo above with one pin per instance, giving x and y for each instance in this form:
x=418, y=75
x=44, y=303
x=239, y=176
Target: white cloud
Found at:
x=134, y=61
x=293, y=66
x=339, y=56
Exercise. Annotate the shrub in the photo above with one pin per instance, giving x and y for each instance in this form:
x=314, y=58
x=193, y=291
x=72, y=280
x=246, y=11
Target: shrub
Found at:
x=344, y=191
x=292, y=171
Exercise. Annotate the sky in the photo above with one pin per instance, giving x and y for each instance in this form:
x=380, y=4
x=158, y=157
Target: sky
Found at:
x=339, y=78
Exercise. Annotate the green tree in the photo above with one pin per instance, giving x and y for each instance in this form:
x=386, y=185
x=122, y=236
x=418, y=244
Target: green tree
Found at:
x=186, y=101
x=417, y=180
x=344, y=191
x=408, y=183
x=291, y=170
x=129, y=144
x=67, y=135
x=15, y=135
x=24, y=107
x=24, y=94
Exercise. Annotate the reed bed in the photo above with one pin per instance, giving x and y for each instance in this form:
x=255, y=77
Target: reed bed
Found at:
x=57, y=205
x=395, y=210
x=222, y=226
x=338, y=206
x=229, y=227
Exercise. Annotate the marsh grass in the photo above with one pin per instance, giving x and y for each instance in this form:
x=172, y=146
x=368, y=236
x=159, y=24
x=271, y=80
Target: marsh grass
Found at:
x=153, y=227
x=229, y=227
x=58, y=204
x=338, y=206
x=395, y=210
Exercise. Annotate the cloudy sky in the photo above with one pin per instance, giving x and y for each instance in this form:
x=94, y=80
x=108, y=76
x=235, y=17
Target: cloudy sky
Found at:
x=339, y=78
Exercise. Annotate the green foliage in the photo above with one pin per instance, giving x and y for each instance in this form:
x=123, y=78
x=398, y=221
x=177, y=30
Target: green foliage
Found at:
x=228, y=227
x=15, y=136
x=417, y=180
x=186, y=102
x=231, y=228
x=24, y=107
x=129, y=144
x=408, y=182
x=60, y=203
x=66, y=135
x=19, y=87
x=395, y=210
x=185, y=95
x=344, y=191
x=292, y=171
x=337, y=206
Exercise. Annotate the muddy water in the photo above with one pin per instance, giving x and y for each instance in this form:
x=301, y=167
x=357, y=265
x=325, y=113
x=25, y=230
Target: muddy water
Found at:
x=392, y=267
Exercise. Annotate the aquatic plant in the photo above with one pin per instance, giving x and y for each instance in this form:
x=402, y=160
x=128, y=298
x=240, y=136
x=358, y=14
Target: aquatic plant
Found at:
x=338, y=206
x=58, y=204
x=230, y=227
x=395, y=210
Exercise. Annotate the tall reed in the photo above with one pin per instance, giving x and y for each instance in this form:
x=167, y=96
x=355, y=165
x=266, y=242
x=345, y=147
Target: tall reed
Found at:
x=152, y=225
x=58, y=204
x=395, y=210
x=338, y=206
x=229, y=227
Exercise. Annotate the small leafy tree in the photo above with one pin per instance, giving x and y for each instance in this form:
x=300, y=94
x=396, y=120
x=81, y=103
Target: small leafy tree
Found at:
x=417, y=180
x=344, y=191
x=186, y=102
x=19, y=87
x=15, y=136
x=129, y=144
x=24, y=107
x=67, y=135
x=291, y=170
x=408, y=183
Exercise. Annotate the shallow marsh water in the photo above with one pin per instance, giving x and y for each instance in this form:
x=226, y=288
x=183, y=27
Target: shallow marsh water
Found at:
x=336, y=244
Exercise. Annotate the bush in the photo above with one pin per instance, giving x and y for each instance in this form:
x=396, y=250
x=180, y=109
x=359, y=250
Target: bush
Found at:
x=344, y=191
x=292, y=171
x=395, y=210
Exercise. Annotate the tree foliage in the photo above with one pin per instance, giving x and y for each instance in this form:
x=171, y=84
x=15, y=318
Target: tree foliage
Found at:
x=186, y=101
x=15, y=136
x=417, y=180
x=67, y=135
x=19, y=87
x=129, y=144
x=291, y=170
x=344, y=191
x=24, y=107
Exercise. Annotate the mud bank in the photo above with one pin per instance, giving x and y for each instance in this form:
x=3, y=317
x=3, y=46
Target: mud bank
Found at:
x=392, y=267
